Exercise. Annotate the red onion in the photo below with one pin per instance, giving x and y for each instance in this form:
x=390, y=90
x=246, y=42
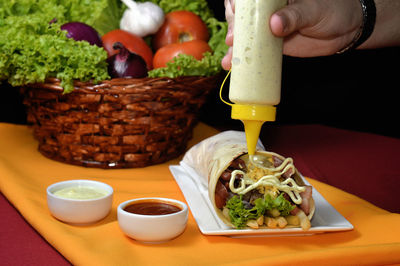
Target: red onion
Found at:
x=82, y=32
x=126, y=64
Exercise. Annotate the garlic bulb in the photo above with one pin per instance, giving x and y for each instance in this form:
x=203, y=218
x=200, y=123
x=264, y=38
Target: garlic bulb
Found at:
x=141, y=19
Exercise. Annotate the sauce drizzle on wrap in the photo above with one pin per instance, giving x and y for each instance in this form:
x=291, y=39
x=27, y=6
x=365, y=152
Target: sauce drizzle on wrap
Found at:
x=264, y=191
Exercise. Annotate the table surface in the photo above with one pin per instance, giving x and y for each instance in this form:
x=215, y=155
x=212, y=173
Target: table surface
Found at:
x=362, y=164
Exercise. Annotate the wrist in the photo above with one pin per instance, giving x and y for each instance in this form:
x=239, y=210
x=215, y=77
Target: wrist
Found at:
x=367, y=26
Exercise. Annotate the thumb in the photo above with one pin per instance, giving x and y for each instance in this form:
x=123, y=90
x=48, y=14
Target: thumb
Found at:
x=229, y=14
x=290, y=19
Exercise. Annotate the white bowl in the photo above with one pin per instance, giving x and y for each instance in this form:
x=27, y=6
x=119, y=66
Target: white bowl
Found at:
x=153, y=228
x=79, y=211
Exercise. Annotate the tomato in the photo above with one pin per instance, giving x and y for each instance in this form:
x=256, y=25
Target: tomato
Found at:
x=132, y=42
x=166, y=53
x=178, y=27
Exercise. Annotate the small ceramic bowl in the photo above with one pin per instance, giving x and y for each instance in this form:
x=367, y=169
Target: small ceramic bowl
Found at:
x=79, y=201
x=145, y=223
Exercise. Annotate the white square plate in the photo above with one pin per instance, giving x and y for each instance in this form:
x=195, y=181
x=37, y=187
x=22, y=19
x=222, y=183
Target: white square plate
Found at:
x=325, y=219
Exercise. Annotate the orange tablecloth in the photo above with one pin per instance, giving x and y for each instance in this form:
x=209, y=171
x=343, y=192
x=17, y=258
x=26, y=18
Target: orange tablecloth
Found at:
x=25, y=174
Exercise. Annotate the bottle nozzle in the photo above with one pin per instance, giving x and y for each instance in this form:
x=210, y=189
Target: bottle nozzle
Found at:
x=252, y=129
x=253, y=117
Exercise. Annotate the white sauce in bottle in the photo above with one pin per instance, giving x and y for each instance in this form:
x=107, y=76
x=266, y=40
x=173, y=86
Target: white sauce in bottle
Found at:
x=257, y=54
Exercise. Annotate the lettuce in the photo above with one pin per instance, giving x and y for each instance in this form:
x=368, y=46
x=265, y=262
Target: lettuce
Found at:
x=32, y=49
x=199, y=7
x=239, y=215
x=279, y=203
x=103, y=15
x=187, y=65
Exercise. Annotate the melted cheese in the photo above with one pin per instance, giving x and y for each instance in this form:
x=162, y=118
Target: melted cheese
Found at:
x=267, y=178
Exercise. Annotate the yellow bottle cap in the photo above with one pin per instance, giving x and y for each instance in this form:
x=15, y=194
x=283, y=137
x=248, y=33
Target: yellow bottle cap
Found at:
x=253, y=112
x=253, y=117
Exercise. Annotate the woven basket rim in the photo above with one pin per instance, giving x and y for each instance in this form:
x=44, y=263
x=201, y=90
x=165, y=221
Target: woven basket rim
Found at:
x=55, y=83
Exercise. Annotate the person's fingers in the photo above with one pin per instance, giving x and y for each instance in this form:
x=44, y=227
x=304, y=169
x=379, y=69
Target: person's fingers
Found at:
x=229, y=14
x=277, y=25
x=293, y=17
x=232, y=2
x=226, y=61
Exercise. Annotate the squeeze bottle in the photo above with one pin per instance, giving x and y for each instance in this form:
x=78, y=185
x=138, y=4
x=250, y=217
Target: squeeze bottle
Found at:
x=256, y=71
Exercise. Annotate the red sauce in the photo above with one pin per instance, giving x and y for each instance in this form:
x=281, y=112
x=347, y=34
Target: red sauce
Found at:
x=152, y=208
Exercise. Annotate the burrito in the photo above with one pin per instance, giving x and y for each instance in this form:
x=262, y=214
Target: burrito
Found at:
x=264, y=190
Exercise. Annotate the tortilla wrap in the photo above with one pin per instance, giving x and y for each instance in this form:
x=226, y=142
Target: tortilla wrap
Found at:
x=211, y=157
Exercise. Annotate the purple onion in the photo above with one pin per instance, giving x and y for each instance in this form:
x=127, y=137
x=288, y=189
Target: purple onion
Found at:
x=126, y=64
x=82, y=32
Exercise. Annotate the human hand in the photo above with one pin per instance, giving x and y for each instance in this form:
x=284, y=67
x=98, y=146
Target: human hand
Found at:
x=229, y=14
x=309, y=27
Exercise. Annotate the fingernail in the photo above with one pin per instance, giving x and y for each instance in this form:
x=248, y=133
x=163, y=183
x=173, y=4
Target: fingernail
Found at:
x=278, y=24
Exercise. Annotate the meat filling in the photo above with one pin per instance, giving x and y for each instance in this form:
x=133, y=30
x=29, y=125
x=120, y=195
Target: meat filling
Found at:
x=222, y=188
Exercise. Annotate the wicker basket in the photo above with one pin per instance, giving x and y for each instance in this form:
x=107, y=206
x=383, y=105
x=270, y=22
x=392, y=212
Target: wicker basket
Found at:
x=119, y=123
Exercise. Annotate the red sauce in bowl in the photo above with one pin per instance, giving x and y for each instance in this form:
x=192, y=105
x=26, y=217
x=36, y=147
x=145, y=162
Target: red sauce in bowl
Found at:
x=152, y=208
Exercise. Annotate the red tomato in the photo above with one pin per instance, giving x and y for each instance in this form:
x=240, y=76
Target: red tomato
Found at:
x=180, y=26
x=166, y=53
x=132, y=42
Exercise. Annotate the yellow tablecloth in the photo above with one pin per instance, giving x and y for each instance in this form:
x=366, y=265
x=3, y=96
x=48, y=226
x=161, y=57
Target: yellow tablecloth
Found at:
x=25, y=175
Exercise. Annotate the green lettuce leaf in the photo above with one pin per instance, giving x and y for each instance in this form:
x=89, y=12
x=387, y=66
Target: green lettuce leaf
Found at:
x=199, y=7
x=279, y=203
x=103, y=15
x=33, y=49
x=239, y=215
x=187, y=65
